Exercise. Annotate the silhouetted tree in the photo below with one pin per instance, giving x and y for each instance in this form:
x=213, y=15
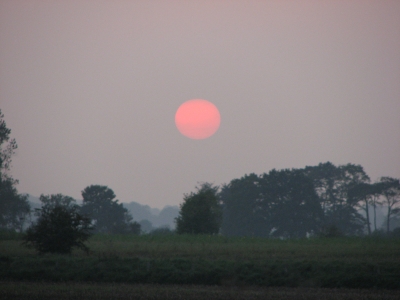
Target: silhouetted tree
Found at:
x=280, y=203
x=200, y=213
x=362, y=193
x=332, y=184
x=293, y=202
x=391, y=192
x=51, y=201
x=244, y=212
x=107, y=214
x=13, y=207
x=59, y=228
x=367, y=195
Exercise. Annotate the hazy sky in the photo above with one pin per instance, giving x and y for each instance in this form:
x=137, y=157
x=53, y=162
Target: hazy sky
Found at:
x=90, y=90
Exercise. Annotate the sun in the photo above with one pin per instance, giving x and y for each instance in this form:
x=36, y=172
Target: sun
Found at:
x=197, y=119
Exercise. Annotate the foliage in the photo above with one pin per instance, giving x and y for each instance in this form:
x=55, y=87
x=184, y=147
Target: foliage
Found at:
x=58, y=229
x=391, y=193
x=297, y=202
x=51, y=201
x=280, y=203
x=200, y=213
x=332, y=184
x=241, y=216
x=107, y=214
x=366, y=196
x=14, y=208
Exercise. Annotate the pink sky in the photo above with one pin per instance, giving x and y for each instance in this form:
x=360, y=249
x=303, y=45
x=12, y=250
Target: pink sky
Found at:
x=90, y=90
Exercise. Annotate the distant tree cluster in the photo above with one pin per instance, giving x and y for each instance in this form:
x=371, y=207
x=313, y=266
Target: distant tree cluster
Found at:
x=63, y=225
x=107, y=215
x=322, y=200
x=318, y=199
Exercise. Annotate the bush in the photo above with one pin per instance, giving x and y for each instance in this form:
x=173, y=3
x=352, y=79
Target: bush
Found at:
x=200, y=213
x=58, y=230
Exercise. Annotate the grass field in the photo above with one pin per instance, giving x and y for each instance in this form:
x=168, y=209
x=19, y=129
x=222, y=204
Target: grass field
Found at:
x=177, y=265
x=223, y=248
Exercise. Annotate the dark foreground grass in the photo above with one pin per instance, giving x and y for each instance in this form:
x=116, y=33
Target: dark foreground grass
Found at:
x=213, y=260
x=64, y=291
x=289, y=273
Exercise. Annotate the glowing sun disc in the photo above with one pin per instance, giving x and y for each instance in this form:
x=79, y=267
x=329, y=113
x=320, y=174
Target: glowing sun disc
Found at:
x=197, y=119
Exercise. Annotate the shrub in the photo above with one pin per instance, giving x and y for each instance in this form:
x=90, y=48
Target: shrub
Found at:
x=200, y=213
x=58, y=230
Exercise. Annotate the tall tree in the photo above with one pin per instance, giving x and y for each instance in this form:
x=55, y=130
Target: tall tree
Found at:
x=200, y=213
x=293, y=203
x=243, y=214
x=279, y=203
x=13, y=207
x=108, y=215
x=377, y=190
x=391, y=193
x=362, y=194
x=332, y=184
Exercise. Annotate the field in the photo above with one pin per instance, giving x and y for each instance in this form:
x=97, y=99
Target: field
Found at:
x=211, y=267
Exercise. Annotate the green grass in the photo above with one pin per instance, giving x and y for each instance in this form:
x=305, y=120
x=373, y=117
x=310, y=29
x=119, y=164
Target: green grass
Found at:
x=218, y=247
x=213, y=260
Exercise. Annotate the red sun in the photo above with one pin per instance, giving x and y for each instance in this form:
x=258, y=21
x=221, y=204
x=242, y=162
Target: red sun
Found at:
x=197, y=119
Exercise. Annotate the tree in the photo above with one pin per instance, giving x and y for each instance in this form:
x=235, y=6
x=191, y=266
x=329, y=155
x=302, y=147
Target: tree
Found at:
x=13, y=207
x=279, y=203
x=51, y=201
x=366, y=195
x=200, y=212
x=391, y=193
x=375, y=200
x=332, y=184
x=362, y=194
x=107, y=214
x=58, y=229
x=293, y=203
x=243, y=214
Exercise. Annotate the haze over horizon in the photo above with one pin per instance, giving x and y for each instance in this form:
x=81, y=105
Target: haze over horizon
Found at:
x=90, y=90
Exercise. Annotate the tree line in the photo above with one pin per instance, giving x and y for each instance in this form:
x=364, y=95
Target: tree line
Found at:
x=99, y=205
x=292, y=203
x=289, y=203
